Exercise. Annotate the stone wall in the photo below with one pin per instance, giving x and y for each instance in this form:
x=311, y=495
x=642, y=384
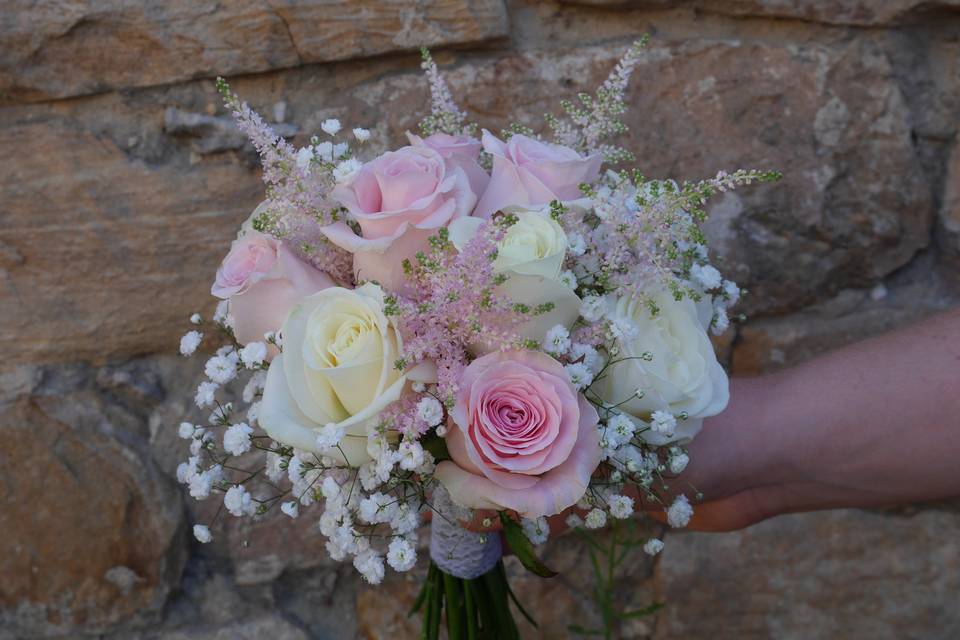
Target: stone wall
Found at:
x=123, y=182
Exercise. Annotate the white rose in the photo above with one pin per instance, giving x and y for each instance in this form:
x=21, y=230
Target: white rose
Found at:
x=337, y=367
x=682, y=376
x=531, y=253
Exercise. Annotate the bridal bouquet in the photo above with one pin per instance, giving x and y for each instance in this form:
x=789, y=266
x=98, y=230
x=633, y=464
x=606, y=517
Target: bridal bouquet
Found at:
x=489, y=328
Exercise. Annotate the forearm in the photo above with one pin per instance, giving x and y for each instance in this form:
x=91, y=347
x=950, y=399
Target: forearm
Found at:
x=872, y=424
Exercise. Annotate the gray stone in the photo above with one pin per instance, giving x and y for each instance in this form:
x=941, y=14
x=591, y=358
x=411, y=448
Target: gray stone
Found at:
x=213, y=134
x=949, y=218
x=847, y=574
x=265, y=626
x=834, y=12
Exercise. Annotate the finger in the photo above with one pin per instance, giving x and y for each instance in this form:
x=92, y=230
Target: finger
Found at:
x=726, y=514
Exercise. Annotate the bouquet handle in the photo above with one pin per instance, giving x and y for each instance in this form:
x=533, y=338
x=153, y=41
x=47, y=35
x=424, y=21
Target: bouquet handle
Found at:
x=462, y=553
x=468, y=584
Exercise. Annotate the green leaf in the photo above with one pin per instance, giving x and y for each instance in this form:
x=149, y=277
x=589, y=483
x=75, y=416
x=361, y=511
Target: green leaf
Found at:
x=522, y=547
x=496, y=586
x=455, y=616
x=421, y=598
x=436, y=610
x=434, y=603
x=436, y=445
x=513, y=597
x=470, y=604
x=484, y=606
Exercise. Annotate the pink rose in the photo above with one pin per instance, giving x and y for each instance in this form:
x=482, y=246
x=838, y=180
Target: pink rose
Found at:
x=529, y=172
x=523, y=439
x=263, y=280
x=461, y=151
x=399, y=200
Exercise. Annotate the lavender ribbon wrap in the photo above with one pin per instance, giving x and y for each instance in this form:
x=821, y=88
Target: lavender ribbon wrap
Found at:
x=456, y=551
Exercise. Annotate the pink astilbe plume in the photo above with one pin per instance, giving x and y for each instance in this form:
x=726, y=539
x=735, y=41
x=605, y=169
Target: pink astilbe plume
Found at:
x=585, y=127
x=298, y=200
x=445, y=116
x=456, y=304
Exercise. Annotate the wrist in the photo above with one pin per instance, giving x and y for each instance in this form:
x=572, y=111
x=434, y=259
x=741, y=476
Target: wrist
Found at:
x=746, y=446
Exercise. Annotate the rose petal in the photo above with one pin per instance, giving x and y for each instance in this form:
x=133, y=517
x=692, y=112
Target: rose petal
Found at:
x=553, y=492
x=281, y=418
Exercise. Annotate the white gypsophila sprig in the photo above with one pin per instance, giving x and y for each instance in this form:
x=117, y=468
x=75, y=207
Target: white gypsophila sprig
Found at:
x=253, y=355
x=580, y=375
x=653, y=546
x=291, y=508
x=186, y=430
x=679, y=512
x=330, y=126
x=330, y=435
x=401, y=556
x=557, y=340
x=620, y=430
x=238, y=501
x=663, y=422
x=537, y=530
x=678, y=460
x=573, y=521
x=221, y=369
x=595, y=519
x=621, y=507
x=202, y=533
x=189, y=342
x=236, y=439
x=430, y=411
x=370, y=565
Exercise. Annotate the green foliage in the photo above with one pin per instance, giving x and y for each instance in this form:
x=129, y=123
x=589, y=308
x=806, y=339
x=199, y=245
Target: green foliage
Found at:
x=604, y=560
x=522, y=547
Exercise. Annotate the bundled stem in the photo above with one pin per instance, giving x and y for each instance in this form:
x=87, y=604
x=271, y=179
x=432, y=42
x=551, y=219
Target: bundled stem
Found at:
x=477, y=609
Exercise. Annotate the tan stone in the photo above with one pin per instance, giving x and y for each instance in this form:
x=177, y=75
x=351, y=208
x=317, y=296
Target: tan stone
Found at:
x=853, y=205
x=115, y=219
x=56, y=49
x=114, y=254
x=261, y=551
x=382, y=610
x=91, y=534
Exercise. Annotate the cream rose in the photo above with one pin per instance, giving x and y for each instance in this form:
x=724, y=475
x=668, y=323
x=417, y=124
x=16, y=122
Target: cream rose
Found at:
x=337, y=367
x=682, y=376
x=531, y=253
